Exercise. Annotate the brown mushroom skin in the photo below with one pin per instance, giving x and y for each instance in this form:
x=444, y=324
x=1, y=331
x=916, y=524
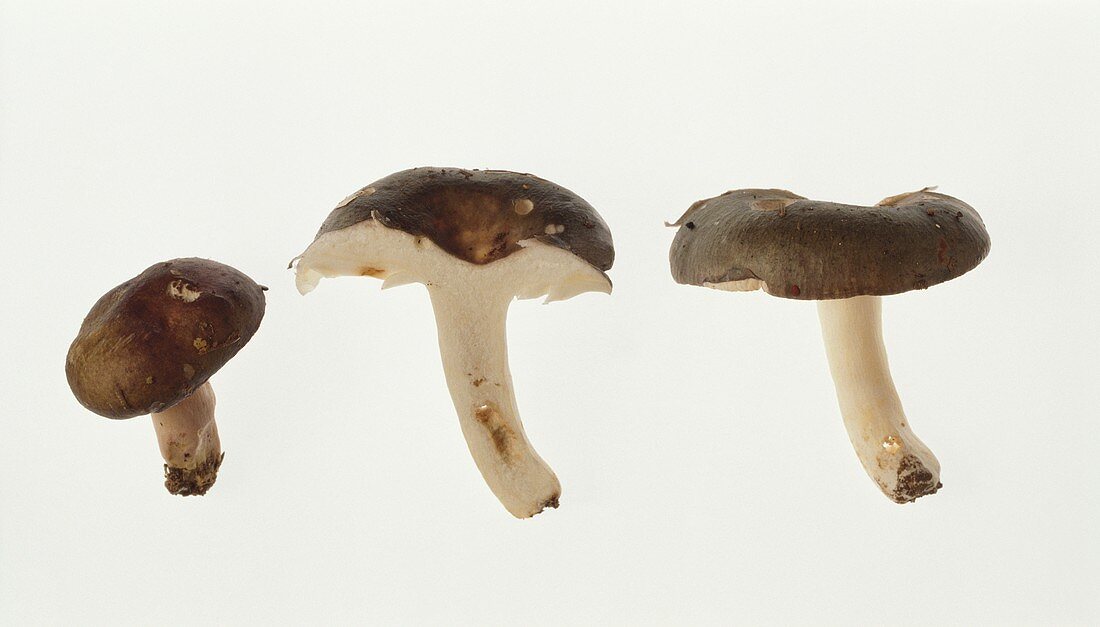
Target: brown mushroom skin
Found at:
x=151, y=341
x=491, y=207
x=814, y=250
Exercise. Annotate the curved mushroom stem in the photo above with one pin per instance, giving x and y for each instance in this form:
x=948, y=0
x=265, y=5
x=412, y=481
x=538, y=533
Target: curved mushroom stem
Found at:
x=902, y=466
x=188, y=439
x=474, y=348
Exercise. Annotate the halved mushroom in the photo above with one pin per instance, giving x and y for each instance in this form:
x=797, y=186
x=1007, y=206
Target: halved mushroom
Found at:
x=150, y=345
x=846, y=257
x=476, y=239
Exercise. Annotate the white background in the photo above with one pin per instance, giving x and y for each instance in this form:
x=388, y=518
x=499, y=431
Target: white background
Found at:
x=707, y=476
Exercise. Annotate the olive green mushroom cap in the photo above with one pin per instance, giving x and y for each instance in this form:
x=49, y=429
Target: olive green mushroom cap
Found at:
x=794, y=247
x=479, y=216
x=150, y=342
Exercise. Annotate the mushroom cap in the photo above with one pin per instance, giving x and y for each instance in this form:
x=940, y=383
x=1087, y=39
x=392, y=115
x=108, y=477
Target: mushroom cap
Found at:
x=479, y=216
x=148, y=343
x=815, y=250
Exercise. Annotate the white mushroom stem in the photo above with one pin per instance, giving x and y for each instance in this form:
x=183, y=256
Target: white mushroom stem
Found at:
x=902, y=466
x=188, y=440
x=473, y=345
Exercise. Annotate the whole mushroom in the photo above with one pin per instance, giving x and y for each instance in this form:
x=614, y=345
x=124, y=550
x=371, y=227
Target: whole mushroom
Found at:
x=150, y=345
x=846, y=257
x=476, y=239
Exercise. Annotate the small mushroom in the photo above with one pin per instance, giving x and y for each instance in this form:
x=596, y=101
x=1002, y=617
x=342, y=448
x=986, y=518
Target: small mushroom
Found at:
x=846, y=257
x=476, y=239
x=150, y=345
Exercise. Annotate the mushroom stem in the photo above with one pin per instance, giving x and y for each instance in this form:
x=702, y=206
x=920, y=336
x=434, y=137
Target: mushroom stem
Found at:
x=474, y=347
x=188, y=439
x=902, y=466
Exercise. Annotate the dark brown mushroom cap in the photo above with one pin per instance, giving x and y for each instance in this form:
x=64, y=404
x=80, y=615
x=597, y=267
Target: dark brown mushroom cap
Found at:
x=150, y=342
x=814, y=250
x=480, y=216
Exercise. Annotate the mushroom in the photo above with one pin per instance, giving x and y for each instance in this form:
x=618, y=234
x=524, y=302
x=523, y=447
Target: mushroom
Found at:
x=150, y=345
x=476, y=239
x=846, y=257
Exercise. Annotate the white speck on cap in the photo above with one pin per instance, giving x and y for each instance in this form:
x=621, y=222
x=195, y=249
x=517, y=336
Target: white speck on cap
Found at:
x=182, y=291
x=523, y=206
x=366, y=191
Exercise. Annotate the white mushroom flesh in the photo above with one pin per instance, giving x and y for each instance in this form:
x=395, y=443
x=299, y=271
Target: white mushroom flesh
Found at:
x=742, y=285
x=471, y=305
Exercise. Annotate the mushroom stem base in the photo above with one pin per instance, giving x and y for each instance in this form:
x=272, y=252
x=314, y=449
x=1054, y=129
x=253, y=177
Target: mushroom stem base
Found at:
x=189, y=443
x=895, y=458
x=193, y=481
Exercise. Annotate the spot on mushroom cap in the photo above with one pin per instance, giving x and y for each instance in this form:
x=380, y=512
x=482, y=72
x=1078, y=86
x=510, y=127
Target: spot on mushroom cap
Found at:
x=814, y=250
x=480, y=216
x=151, y=341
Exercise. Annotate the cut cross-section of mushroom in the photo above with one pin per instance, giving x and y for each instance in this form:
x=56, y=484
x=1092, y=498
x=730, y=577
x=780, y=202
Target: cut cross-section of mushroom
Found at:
x=477, y=239
x=847, y=257
x=150, y=345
